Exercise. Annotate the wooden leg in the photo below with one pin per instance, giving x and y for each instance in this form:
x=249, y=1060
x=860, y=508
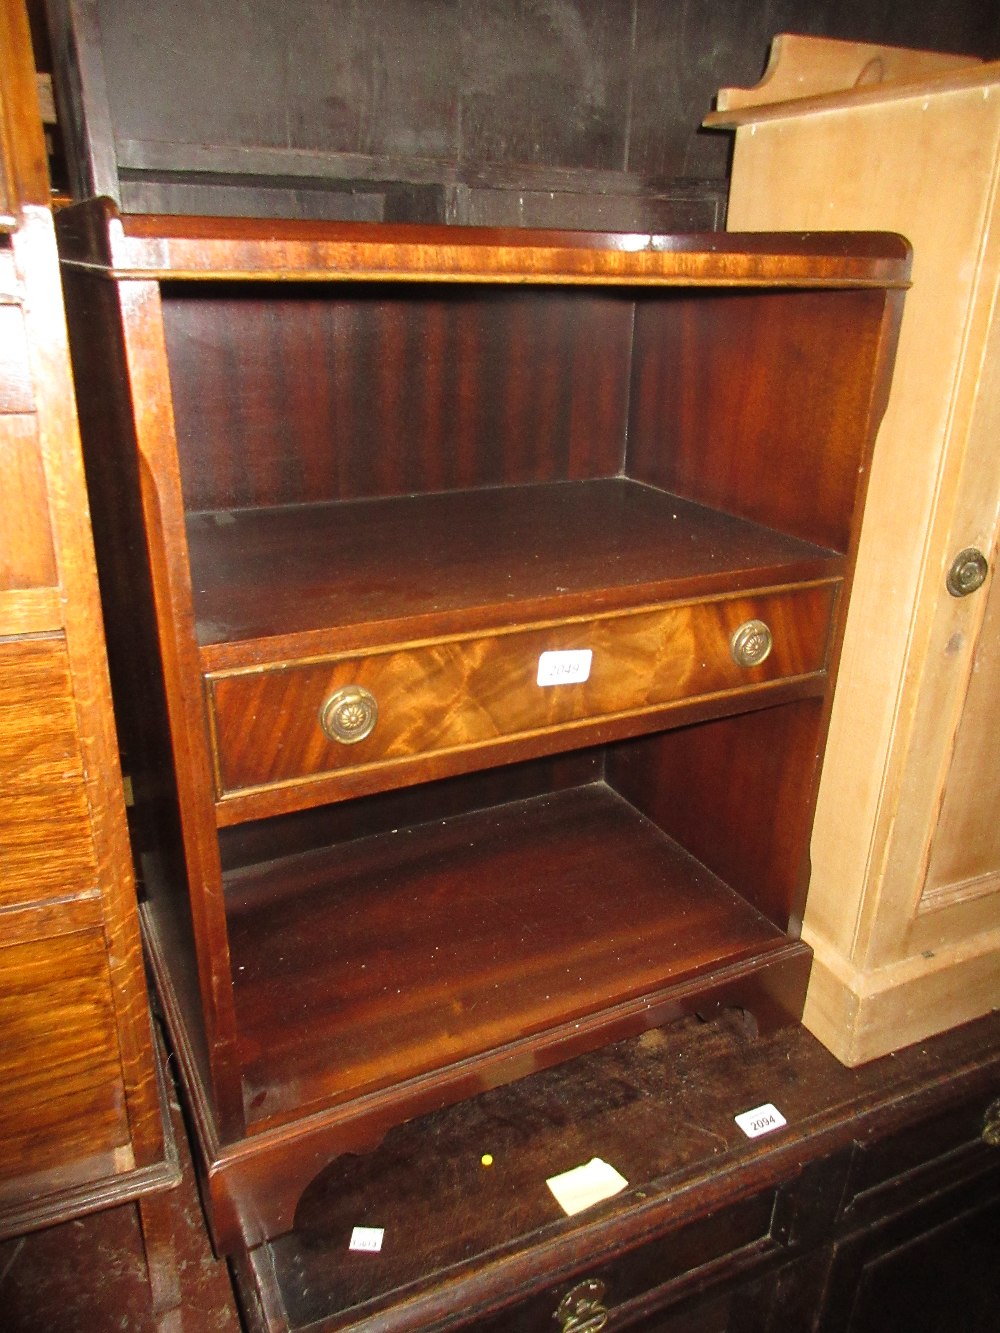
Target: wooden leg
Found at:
x=156, y=1219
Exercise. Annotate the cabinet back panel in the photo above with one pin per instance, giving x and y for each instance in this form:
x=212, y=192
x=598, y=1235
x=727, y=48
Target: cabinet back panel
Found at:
x=758, y=403
x=344, y=821
x=293, y=398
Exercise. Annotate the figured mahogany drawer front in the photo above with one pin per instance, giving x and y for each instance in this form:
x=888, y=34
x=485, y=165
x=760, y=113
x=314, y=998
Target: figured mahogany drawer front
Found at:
x=453, y=695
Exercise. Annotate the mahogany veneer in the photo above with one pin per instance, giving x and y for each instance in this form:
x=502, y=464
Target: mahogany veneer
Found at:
x=414, y=460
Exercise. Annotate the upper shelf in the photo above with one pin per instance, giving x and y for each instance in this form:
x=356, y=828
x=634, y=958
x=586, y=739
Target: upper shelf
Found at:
x=461, y=559
x=178, y=247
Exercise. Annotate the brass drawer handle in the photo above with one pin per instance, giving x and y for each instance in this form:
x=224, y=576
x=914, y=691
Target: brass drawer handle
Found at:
x=991, y=1125
x=751, y=643
x=582, y=1310
x=349, y=714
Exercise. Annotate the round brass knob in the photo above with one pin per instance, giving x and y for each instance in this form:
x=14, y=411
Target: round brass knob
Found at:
x=582, y=1310
x=349, y=714
x=967, y=573
x=751, y=643
x=991, y=1125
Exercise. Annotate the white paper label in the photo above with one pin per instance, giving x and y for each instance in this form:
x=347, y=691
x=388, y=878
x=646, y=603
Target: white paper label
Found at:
x=761, y=1120
x=585, y=1185
x=568, y=667
x=367, y=1238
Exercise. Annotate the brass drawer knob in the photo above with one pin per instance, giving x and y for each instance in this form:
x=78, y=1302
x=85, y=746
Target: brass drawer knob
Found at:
x=967, y=573
x=991, y=1125
x=349, y=714
x=751, y=643
x=582, y=1310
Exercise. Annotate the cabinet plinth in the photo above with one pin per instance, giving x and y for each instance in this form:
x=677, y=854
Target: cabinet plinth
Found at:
x=437, y=551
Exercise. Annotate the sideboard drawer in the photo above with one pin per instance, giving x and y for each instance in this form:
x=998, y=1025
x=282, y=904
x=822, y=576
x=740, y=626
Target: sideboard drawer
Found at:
x=652, y=1275
x=452, y=695
x=899, y=1170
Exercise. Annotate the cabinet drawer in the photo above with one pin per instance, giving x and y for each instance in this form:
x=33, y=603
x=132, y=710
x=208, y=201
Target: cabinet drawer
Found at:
x=916, y=1163
x=655, y=1274
x=449, y=696
x=46, y=840
x=62, y=1097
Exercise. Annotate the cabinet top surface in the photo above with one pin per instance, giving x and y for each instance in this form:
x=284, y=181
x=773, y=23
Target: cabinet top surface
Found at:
x=660, y=1108
x=146, y=246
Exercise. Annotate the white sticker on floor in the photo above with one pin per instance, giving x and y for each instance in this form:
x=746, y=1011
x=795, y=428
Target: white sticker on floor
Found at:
x=586, y=1185
x=367, y=1238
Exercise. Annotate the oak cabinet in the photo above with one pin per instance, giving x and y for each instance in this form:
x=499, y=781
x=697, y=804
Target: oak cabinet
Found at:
x=475, y=602
x=904, y=904
x=81, y=1120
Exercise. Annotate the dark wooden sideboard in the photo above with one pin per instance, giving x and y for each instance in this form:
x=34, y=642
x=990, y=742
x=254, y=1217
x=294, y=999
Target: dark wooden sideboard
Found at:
x=875, y=1209
x=475, y=599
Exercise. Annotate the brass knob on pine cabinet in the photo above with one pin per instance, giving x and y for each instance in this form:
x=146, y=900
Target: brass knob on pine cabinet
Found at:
x=967, y=573
x=991, y=1125
x=582, y=1310
x=751, y=643
x=349, y=714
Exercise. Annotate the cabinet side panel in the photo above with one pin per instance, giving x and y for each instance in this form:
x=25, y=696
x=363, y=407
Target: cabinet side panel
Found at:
x=758, y=403
x=136, y=671
x=392, y=391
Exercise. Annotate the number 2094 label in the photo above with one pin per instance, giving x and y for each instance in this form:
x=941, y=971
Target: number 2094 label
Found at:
x=761, y=1120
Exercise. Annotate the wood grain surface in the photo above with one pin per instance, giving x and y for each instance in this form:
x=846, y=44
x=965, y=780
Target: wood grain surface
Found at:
x=46, y=844
x=458, y=694
x=419, y=566
x=64, y=1108
x=448, y=470
x=415, y=949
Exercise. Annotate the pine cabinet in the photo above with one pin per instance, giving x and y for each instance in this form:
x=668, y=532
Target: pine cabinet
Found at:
x=904, y=905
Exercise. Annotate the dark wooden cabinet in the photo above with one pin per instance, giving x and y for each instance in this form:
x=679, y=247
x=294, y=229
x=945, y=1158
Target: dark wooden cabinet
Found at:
x=874, y=1207
x=475, y=602
x=920, y=1228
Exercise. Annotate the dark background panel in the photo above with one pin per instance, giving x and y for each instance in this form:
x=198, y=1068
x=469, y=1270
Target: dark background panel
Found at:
x=510, y=112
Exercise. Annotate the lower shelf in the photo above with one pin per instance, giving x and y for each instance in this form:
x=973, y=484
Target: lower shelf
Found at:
x=381, y=960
